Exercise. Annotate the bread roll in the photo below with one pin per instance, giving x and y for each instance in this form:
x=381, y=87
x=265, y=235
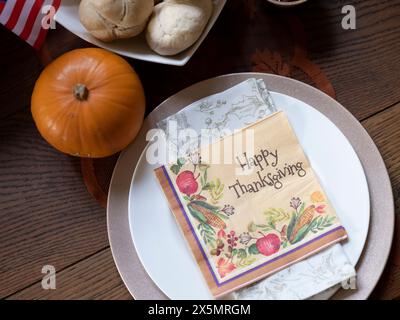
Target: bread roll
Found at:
x=177, y=24
x=108, y=20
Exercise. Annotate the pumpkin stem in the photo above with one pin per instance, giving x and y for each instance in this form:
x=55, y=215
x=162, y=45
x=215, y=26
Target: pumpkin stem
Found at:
x=81, y=92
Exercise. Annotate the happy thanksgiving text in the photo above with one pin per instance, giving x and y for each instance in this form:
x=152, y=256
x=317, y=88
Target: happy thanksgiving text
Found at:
x=262, y=161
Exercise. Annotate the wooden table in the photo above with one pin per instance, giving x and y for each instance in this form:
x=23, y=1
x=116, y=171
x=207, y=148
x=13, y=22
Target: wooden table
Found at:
x=47, y=216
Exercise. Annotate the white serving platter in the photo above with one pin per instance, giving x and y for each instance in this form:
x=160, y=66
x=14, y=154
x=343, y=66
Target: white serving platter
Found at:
x=136, y=47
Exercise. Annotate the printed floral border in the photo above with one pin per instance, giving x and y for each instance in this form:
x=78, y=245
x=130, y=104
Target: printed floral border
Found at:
x=230, y=250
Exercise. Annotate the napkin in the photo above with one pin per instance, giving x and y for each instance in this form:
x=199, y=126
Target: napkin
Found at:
x=303, y=280
x=224, y=112
x=235, y=108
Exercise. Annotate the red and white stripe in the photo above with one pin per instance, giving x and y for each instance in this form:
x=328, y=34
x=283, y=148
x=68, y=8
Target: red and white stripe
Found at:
x=24, y=18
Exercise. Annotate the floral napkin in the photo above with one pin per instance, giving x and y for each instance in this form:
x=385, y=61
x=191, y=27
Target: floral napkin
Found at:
x=232, y=109
x=234, y=249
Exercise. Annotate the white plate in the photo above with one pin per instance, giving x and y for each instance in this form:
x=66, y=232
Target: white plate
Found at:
x=137, y=47
x=161, y=247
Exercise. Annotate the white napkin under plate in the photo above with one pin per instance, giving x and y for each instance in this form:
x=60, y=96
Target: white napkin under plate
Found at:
x=234, y=109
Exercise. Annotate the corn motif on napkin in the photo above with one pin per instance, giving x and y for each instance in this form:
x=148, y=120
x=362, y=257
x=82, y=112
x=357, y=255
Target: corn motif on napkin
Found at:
x=258, y=214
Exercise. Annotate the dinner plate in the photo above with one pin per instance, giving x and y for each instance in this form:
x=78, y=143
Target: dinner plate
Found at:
x=154, y=231
x=137, y=48
x=330, y=154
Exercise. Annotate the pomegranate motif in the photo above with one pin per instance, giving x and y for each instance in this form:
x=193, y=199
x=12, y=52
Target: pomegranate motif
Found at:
x=268, y=244
x=187, y=183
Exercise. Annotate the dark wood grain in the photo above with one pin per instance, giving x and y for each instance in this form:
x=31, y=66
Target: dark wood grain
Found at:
x=384, y=129
x=93, y=278
x=48, y=217
x=46, y=214
x=19, y=68
x=363, y=64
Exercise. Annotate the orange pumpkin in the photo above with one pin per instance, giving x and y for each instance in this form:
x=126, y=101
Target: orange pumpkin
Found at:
x=88, y=103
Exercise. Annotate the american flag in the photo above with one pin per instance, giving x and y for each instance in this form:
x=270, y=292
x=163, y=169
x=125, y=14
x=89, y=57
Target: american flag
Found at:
x=26, y=18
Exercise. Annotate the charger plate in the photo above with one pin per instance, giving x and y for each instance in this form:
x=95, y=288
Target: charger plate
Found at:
x=378, y=245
